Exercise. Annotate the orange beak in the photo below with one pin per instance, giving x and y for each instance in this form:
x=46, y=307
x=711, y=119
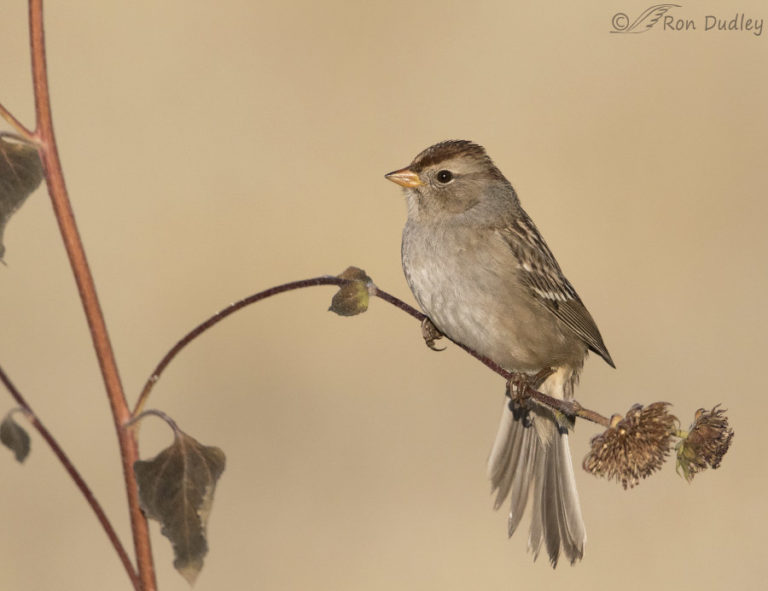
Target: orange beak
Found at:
x=405, y=178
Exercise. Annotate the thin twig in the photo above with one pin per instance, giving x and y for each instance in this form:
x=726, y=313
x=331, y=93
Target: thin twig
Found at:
x=257, y=297
x=158, y=413
x=20, y=138
x=59, y=198
x=218, y=317
x=569, y=408
x=590, y=415
x=16, y=124
x=75, y=475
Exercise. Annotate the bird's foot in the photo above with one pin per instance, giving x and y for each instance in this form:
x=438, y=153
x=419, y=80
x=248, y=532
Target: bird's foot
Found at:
x=519, y=398
x=517, y=387
x=521, y=386
x=523, y=394
x=430, y=334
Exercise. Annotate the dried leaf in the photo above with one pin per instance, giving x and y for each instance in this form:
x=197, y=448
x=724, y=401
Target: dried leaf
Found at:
x=176, y=488
x=14, y=437
x=20, y=174
x=352, y=298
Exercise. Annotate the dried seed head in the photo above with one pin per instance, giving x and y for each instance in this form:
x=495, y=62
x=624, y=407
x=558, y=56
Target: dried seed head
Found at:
x=707, y=441
x=633, y=447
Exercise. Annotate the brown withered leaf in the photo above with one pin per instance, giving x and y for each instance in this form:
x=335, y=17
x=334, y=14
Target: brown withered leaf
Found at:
x=14, y=437
x=20, y=174
x=176, y=488
x=352, y=298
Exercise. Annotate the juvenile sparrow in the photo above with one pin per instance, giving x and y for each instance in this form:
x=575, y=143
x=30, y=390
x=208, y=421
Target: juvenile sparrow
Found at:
x=484, y=276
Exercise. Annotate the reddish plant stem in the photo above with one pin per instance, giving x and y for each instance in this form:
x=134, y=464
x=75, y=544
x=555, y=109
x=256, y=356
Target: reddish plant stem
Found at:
x=75, y=475
x=86, y=287
x=252, y=299
x=161, y=415
x=589, y=415
x=218, y=317
x=17, y=125
x=272, y=291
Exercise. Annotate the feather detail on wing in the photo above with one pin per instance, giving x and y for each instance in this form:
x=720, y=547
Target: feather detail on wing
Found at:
x=540, y=272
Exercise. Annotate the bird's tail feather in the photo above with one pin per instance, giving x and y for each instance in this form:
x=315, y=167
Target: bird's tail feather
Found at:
x=531, y=453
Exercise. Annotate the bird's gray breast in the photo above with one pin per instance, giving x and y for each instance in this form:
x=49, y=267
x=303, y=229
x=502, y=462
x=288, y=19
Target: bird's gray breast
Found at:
x=466, y=280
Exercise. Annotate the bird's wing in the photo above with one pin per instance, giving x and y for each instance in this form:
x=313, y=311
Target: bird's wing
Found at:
x=540, y=272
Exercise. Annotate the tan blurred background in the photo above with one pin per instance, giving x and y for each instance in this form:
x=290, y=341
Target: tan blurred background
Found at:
x=215, y=149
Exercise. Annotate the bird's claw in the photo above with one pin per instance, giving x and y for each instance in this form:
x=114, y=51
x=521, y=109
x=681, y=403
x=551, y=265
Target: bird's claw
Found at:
x=430, y=334
x=517, y=387
x=520, y=385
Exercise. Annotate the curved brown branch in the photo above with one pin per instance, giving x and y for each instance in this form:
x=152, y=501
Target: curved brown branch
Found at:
x=75, y=475
x=157, y=413
x=218, y=317
x=257, y=297
x=569, y=408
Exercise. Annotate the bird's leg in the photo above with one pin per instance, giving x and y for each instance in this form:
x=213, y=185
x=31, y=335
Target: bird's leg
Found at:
x=522, y=391
x=431, y=334
x=537, y=379
x=519, y=399
x=517, y=387
x=521, y=386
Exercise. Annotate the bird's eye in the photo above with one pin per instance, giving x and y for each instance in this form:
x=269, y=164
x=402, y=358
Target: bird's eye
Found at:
x=445, y=176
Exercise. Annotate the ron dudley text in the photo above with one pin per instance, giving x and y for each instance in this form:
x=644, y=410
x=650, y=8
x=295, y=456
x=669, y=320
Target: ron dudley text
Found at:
x=740, y=22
